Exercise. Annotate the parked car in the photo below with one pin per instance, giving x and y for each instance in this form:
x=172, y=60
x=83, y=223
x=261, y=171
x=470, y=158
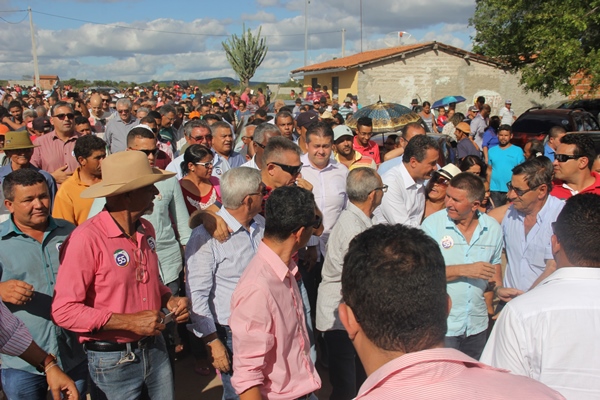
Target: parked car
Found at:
x=536, y=122
x=590, y=105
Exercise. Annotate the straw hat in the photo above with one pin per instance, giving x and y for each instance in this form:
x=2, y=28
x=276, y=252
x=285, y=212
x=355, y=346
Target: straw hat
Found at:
x=18, y=140
x=449, y=171
x=124, y=172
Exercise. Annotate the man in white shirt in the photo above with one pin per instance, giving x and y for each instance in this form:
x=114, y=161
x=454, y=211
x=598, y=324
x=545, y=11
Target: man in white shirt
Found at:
x=550, y=333
x=404, y=202
x=506, y=114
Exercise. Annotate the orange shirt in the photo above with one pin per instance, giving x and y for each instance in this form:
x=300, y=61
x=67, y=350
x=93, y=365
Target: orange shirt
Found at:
x=68, y=204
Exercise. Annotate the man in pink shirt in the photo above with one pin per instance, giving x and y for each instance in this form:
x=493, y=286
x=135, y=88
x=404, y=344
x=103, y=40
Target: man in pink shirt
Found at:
x=108, y=288
x=362, y=141
x=395, y=310
x=271, y=350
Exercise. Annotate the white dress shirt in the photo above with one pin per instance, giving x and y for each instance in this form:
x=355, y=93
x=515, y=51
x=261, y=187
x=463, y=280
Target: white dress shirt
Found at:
x=404, y=202
x=550, y=334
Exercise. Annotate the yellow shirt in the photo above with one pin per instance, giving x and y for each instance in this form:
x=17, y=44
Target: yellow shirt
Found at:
x=68, y=204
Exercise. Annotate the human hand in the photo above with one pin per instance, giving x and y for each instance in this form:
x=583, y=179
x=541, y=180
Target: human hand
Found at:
x=179, y=306
x=479, y=270
x=60, y=175
x=310, y=257
x=16, y=292
x=147, y=323
x=59, y=382
x=303, y=183
x=507, y=294
x=218, y=355
x=216, y=226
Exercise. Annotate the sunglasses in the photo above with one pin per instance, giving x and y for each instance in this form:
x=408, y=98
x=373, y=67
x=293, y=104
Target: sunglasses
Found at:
x=207, y=165
x=290, y=169
x=262, y=146
x=105, y=100
x=63, y=116
x=441, y=180
x=123, y=111
x=153, y=151
x=520, y=192
x=565, y=157
x=201, y=138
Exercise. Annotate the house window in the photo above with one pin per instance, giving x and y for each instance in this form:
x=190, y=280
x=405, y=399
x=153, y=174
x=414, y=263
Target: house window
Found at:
x=335, y=85
x=314, y=82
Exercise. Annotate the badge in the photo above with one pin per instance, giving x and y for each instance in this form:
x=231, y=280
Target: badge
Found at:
x=58, y=246
x=218, y=171
x=121, y=258
x=447, y=242
x=151, y=243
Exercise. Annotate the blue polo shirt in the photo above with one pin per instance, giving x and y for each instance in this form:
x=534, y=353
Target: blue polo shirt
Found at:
x=24, y=258
x=469, y=312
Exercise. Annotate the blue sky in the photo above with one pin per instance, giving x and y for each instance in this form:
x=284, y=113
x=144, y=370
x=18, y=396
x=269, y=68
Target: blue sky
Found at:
x=121, y=40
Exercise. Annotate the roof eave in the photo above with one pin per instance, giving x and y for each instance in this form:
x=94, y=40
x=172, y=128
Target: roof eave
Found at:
x=299, y=73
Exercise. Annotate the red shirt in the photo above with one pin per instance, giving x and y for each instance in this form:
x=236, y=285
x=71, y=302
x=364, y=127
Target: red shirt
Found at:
x=371, y=150
x=562, y=191
x=53, y=153
x=97, y=277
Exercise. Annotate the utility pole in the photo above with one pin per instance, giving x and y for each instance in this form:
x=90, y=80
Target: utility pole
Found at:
x=361, y=49
x=36, y=69
x=343, y=42
x=306, y=32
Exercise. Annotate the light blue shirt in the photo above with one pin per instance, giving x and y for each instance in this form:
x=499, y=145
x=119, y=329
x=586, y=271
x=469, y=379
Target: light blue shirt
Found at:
x=527, y=255
x=214, y=268
x=468, y=315
x=24, y=258
x=549, y=152
x=503, y=160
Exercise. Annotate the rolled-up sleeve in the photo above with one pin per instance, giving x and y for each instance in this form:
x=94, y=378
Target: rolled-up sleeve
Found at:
x=251, y=325
x=14, y=336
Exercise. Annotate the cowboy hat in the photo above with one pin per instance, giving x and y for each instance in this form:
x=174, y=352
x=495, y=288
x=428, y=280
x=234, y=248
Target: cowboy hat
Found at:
x=18, y=140
x=124, y=172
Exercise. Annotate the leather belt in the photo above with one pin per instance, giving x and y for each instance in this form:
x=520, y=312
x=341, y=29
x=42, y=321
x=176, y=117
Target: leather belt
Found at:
x=112, y=346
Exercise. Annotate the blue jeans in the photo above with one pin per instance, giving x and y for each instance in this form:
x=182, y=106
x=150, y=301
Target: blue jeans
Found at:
x=224, y=333
x=19, y=384
x=307, y=317
x=120, y=377
x=470, y=345
x=346, y=372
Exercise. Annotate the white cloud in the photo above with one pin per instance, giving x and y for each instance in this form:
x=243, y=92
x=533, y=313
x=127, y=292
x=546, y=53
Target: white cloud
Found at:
x=261, y=16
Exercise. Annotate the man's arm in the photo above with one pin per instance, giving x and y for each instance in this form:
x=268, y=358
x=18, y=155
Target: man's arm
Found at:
x=213, y=223
x=180, y=214
x=550, y=268
x=251, y=394
x=393, y=153
x=476, y=270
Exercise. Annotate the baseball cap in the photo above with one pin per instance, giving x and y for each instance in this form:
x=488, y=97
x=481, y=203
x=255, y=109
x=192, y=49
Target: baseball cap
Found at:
x=42, y=124
x=414, y=101
x=347, y=100
x=474, y=109
x=508, y=102
x=340, y=131
x=335, y=96
x=307, y=118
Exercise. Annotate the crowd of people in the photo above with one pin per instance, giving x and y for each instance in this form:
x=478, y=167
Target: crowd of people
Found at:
x=144, y=225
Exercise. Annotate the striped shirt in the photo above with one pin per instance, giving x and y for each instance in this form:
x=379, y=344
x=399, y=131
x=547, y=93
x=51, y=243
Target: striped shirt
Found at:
x=448, y=374
x=14, y=336
x=214, y=268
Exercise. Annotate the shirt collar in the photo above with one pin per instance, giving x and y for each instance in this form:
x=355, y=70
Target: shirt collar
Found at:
x=359, y=213
x=10, y=228
x=407, y=179
x=276, y=263
x=112, y=228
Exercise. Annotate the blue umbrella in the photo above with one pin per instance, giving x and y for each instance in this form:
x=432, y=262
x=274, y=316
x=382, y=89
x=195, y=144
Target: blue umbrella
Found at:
x=443, y=102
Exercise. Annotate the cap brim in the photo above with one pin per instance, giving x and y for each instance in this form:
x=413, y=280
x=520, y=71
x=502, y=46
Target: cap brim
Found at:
x=21, y=147
x=103, y=189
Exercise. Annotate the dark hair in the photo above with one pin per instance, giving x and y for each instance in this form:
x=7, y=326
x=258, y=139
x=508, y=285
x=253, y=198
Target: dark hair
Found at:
x=470, y=160
x=277, y=145
x=81, y=120
x=284, y=114
x=556, y=130
x=426, y=103
x=86, y=145
x=397, y=293
x=470, y=183
x=60, y=104
x=166, y=109
x=505, y=128
x=148, y=119
x=319, y=129
x=15, y=103
x=495, y=122
x=536, y=147
x=364, y=121
x=155, y=114
x=193, y=154
x=536, y=172
x=406, y=127
x=417, y=147
x=287, y=209
x=21, y=177
x=340, y=118
x=584, y=146
x=141, y=132
x=576, y=228
x=212, y=117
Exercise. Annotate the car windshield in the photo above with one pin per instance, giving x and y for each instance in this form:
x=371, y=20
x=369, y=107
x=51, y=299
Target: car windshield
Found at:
x=533, y=123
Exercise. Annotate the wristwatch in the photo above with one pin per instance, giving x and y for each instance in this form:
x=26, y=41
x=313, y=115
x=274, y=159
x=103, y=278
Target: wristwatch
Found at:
x=45, y=362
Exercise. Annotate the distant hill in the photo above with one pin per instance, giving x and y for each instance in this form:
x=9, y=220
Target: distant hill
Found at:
x=226, y=80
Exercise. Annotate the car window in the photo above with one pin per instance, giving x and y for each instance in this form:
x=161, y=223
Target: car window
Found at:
x=539, y=123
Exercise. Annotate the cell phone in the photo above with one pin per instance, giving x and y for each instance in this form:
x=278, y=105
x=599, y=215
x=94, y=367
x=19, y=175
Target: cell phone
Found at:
x=168, y=318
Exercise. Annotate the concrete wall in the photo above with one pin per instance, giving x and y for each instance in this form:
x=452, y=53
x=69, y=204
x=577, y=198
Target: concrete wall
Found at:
x=431, y=75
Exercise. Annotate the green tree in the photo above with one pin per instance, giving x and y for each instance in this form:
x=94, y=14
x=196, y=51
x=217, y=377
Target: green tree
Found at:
x=548, y=41
x=245, y=54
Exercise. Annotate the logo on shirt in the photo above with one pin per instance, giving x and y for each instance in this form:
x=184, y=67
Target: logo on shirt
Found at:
x=58, y=246
x=218, y=171
x=121, y=258
x=447, y=242
x=151, y=243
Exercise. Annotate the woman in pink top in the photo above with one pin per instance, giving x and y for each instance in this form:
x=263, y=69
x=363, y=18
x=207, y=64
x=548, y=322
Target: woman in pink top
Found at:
x=200, y=189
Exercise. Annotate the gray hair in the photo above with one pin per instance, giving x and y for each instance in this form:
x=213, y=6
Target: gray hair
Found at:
x=278, y=145
x=144, y=109
x=261, y=131
x=360, y=183
x=220, y=124
x=29, y=113
x=195, y=123
x=236, y=184
x=166, y=109
x=124, y=102
x=536, y=172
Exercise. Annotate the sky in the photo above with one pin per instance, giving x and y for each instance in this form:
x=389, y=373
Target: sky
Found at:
x=140, y=40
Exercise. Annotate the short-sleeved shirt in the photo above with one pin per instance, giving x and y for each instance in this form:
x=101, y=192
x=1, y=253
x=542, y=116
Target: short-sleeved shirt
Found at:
x=69, y=205
x=466, y=148
x=359, y=161
x=116, y=133
x=503, y=160
x=103, y=272
x=24, y=258
x=53, y=153
x=370, y=150
x=469, y=312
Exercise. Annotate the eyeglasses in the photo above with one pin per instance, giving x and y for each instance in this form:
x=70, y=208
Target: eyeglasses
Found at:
x=263, y=191
x=63, y=116
x=383, y=188
x=565, y=157
x=440, y=179
x=153, y=151
x=315, y=224
x=123, y=111
x=105, y=100
x=201, y=138
x=141, y=272
x=262, y=146
x=290, y=169
x=207, y=165
x=520, y=192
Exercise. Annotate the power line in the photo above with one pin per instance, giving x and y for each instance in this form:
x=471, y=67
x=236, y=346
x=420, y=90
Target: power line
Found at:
x=13, y=11
x=168, y=32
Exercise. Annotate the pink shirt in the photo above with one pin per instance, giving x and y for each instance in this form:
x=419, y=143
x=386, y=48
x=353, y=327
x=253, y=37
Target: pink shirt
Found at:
x=53, y=153
x=270, y=342
x=97, y=277
x=448, y=374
